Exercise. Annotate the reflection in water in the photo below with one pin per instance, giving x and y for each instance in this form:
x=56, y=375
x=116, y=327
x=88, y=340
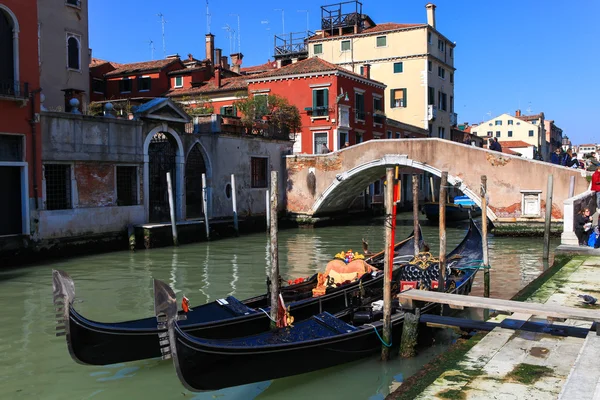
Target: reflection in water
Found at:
x=118, y=286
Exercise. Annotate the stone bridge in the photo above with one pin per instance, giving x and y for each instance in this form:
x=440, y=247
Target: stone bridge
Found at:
x=318, y=185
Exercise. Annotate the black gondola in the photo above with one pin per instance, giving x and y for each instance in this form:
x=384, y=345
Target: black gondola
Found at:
x=322, y=341
x=97, y=343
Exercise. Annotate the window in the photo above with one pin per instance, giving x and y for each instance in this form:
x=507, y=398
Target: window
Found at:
x=359, y=105
x=76, y=3
x=441, y=72
x=398, y=67
x=534, y=122
x=125, y=85
x=530, y=133
x=451, y=77
x=441, y=132
x=451, y=104
x=345, y=45
x=498, y=122
x=497, y=133
x=320, y=106
x=509, y=133
x=490, y=133
x=398, y=136
x=11, y=148
x=362, y=71
x=381, y=41
x=442, y=101
x=258, y=170
x=378, y=104
x=430, y=95
x=318, y=48
x=178, y=81
x=359, y=137
x=97, y=85
x=398, y=98
x=229, y=111
x=441, y=45
x=73, y=52
x=58, y=186
x=451, y=52
x=343, y=136
x=8, y=53
x=144, y=83
x=319, y=139
x=429, y=38
x=510, y=122
x=389, y=134
x=127, y=187
x=429, y=66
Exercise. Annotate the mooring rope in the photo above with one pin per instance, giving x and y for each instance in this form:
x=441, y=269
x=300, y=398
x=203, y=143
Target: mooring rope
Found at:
x=377, y=333
x=475, y=264
x=267, y=314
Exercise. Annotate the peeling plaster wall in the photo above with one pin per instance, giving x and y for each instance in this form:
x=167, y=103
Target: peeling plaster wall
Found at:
x=356, y=166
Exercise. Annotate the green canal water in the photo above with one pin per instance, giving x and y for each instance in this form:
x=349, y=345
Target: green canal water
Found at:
x=34, y=364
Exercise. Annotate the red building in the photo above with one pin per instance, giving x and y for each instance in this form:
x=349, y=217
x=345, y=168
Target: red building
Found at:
x=20, y=146
x=336, y=105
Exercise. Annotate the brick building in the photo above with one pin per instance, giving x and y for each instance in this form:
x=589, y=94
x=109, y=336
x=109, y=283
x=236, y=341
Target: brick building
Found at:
x=20, y=166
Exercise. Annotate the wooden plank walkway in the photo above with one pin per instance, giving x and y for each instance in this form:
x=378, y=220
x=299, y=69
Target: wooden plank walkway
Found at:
x=546, y=310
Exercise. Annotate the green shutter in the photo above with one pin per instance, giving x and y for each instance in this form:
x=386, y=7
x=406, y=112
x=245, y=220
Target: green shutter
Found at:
x=398, y=67
x=222, y=111
x=405, y=98
x=326, y=98
x=314, y=104
x=392, y=93
x=234, y=110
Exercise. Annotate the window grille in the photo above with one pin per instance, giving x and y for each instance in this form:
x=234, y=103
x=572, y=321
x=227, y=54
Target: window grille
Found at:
x=58, y=186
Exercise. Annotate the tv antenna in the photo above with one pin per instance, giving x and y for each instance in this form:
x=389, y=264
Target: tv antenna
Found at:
x=163, y=22
x=239, y=35
x=152, y=48
x=266, y=22
x=207, y=18
x=231, y=35
x=307, y=25
x=282, y=19
x=529, y=108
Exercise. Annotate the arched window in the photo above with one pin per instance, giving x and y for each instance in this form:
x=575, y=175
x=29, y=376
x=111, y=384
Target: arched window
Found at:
x=7, y=50
x=73, y=52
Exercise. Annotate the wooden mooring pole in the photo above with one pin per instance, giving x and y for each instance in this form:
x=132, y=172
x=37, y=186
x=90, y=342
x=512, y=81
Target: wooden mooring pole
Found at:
x=205, y=206
x=387, y=265
x=484, y=242
x=432, y=189
x=272, y=205
x=268, y=209
x=548, y=217
x=415, y=193
x=236, y=226
x=443, y=191
x=172, y=209
x=410, y=334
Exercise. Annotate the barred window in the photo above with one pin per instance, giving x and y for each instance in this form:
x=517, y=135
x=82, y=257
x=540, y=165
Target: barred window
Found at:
x=58, y=186
x=259, y=172
x=127, y=186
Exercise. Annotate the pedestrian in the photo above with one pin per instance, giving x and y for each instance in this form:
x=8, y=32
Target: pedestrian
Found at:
x=574, y=161
x=492, y=145
x=325, y=149
x=583, y=226
x=566, y=161
x=596, y=187
x=555, y=157
x=347, y=144
x=498, y=145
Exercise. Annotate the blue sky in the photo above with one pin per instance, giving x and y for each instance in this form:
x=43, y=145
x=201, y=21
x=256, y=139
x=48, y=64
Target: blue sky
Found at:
x=529, y=54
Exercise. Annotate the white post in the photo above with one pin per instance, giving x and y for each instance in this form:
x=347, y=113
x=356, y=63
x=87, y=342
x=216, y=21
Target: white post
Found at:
x=268, y=206
x=172, y=209
x=234, y=203
x=205, y=205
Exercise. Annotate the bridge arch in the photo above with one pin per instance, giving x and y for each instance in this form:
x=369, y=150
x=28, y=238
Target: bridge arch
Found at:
x=339, y=193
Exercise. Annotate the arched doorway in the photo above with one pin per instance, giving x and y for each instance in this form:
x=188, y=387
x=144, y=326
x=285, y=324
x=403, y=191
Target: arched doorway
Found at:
x=162, y=153
x=194, y=168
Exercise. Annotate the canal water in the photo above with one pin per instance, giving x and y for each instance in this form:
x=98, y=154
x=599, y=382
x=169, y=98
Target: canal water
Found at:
x=34, y=364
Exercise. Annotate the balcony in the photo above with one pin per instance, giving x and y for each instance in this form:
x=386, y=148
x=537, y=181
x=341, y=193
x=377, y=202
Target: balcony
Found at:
x=14, y=91
x=318, y=112
x=378, y=117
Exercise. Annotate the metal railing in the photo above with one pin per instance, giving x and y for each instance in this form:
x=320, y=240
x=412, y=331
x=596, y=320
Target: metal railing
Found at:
x=12, y=88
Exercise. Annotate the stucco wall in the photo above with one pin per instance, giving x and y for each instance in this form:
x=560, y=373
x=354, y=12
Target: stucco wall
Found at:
x=341, y=175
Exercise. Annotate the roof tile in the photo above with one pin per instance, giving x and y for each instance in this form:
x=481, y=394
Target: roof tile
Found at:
x=227, y=84
x=142, y=66
x=384, y=27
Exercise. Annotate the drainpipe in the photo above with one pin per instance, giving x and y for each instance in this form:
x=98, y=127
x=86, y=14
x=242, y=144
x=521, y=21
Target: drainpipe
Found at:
x=34, y=144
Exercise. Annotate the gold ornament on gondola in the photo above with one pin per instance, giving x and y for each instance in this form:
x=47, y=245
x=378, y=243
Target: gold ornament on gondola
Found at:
x=424, y=260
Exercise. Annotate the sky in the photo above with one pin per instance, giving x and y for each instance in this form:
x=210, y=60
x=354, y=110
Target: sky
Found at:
x=532, y=55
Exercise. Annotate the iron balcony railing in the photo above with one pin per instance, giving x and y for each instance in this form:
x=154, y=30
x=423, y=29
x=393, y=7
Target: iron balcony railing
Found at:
x=16, y=89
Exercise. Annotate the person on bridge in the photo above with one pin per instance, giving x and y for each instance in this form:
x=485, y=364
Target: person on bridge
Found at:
x=556, y=157
x=325, y=149
x=347, y=144
x=596, y=187
x=583, y=226
x=566, y=161
x=497, y=145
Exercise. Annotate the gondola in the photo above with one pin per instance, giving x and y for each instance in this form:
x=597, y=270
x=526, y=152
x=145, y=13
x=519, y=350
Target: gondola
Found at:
x=97, y=343
x=321, y=341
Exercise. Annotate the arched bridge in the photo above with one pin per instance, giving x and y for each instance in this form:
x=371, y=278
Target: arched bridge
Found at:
x=324, y=184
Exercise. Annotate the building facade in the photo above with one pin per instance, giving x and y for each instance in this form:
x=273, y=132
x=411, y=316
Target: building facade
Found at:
x=553, y=135
x=20, y=167
x=414, y=61
x=506, y=127
x=64, y=54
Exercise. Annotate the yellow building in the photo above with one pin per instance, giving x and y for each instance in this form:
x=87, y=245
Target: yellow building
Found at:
x=415, y=61
x=527, y=128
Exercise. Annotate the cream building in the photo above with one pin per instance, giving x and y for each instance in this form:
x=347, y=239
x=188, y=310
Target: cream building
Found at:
x=64, y=54
x=506, y=127
x=415, y=61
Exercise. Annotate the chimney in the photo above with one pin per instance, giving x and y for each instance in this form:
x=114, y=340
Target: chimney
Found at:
x=190, y=57
x=294, y=60
x=430, y=14
x=236, y=62
x=218, y=53
x=210, y=47
x=224, y=63
x=218, y=76
x=366, y=71
x=518, y=113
